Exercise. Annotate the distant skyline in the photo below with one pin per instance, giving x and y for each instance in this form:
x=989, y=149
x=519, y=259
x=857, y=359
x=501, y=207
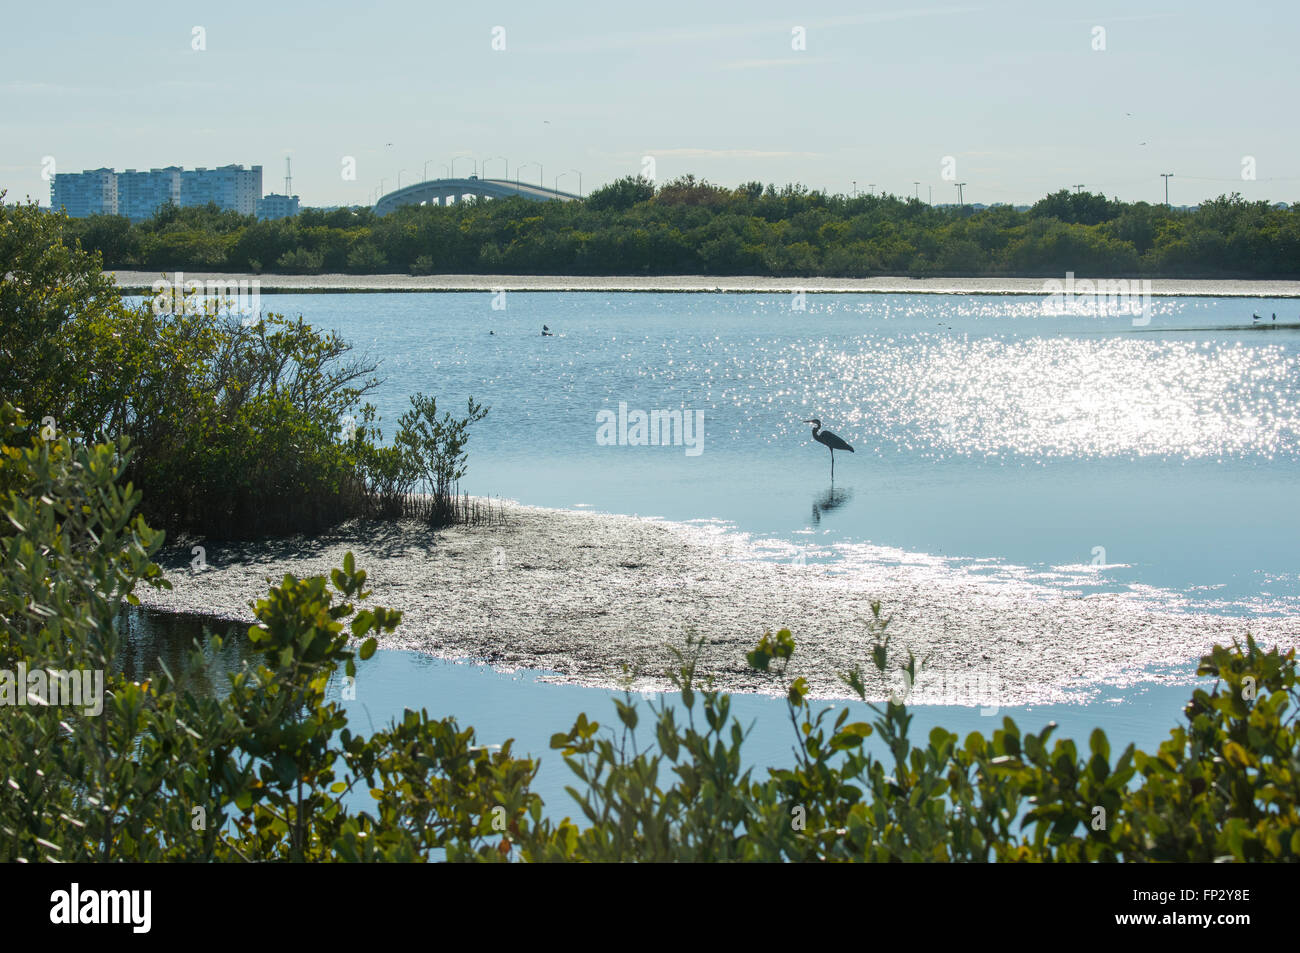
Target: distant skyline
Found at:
x=1013, y=99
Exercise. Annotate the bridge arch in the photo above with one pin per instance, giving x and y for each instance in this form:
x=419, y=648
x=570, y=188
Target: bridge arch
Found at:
x=446, y=191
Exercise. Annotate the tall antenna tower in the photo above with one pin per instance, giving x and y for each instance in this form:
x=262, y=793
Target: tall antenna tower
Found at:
x=288, y=176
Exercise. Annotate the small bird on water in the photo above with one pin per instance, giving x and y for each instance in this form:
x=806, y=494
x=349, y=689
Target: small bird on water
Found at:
x=831, y=441
x=547, y=332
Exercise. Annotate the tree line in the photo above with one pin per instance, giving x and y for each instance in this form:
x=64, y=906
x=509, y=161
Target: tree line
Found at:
x=687, y=226
x=237, y=427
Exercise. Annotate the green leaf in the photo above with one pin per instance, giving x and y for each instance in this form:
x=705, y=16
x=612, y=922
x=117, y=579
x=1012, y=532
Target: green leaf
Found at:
x=798, y=689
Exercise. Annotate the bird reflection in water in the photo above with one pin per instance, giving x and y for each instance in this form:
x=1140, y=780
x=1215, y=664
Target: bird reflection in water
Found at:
x=832, y=499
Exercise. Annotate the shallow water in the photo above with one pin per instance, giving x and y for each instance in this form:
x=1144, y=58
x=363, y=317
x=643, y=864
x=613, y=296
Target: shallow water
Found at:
x=1159, y=459
x=517, y=705
x=1075, y=453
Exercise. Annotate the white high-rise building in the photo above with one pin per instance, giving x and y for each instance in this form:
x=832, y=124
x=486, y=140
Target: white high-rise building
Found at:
x=231, y=187
x=139, y=194
x=274, y=206
x=82, y=194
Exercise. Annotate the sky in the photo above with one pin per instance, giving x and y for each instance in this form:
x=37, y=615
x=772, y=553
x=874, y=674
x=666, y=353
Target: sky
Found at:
x=1014, y=99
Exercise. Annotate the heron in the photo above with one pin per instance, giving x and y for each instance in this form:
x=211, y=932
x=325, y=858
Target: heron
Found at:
x=831, y=441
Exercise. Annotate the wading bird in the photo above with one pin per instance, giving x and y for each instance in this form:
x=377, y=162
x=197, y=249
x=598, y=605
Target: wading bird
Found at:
x=832, y=441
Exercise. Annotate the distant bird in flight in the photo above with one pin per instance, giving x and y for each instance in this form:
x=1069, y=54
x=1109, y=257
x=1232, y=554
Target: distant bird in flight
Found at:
x=831, y=441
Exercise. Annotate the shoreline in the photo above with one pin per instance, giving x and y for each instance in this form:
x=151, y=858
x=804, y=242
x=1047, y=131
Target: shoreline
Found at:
x=141, y=282
x=582, y=594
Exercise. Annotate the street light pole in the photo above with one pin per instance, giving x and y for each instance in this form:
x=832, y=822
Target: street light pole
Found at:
x=1166, y=176
x=566, y=172
x=960, y=200
x=540, y=180
x=918, y=190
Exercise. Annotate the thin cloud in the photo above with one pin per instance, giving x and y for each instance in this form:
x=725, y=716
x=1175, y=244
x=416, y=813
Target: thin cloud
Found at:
x=769, y=64
x=610, y=42
x=23, y=86
x=101, y=89
x=1132, y=18
x=730, y=154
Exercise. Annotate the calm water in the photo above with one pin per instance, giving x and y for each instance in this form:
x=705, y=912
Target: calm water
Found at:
x=516, y=705
x=1081, y=451
x=1077, y=452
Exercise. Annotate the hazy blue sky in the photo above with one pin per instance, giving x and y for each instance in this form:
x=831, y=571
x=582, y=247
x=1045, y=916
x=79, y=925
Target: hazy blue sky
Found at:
x=1014, y=91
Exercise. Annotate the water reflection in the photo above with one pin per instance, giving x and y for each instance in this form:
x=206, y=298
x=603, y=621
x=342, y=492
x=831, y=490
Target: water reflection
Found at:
x=157, y=642
x=832, y=499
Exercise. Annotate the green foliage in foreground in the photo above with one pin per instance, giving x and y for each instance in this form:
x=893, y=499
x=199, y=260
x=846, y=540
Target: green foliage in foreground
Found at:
x=631, y=227
x=238, y=429
x=262, y=773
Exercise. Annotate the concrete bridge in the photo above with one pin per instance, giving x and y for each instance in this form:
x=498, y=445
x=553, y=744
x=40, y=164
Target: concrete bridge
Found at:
x=448, y=191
